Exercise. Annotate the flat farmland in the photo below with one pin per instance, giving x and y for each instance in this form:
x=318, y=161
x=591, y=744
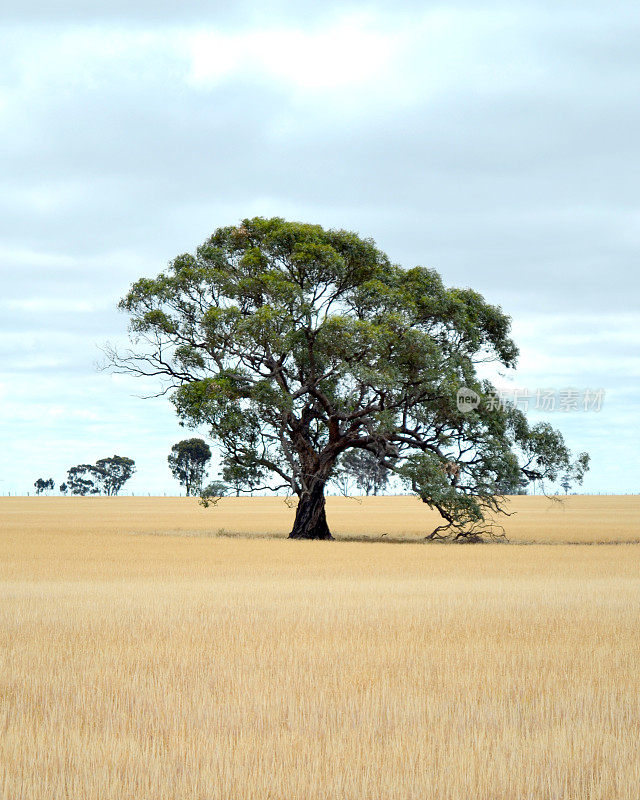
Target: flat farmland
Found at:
x=572, y=519
x=148, y=651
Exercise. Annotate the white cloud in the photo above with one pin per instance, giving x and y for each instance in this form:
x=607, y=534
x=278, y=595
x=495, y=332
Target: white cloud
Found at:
x=351, y=52
x=36, y=304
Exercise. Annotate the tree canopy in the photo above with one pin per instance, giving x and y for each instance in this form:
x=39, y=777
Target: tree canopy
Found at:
x=80, y=480
x=292, y=345
x=107, y=475
x=111, y=474
x=368, y=470
x=187, y=461
x=42, y=484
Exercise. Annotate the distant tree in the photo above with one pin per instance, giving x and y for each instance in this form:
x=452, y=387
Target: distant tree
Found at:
x=242, y=477
x=566, y=483
x=112, y=473
x=368, y=470
x=63, y=488
x=187, y=461
x=342, y=481
x=107, y=475
x=42, y=485
x=80, y=480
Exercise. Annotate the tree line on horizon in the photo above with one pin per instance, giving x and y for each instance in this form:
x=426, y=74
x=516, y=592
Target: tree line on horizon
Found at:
x=188, y=462
x=107, y=476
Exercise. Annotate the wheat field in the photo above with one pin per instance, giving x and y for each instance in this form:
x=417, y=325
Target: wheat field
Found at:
x=571, y=519
x=180, y=666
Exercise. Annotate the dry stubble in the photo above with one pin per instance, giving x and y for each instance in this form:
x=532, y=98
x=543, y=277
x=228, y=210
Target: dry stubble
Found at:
x=187, y=667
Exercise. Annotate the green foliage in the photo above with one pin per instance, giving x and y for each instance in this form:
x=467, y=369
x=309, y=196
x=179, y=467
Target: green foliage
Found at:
x=242, y=476
x=187, y=461
x=112, y=473
x=575, y=472
x=107, y=475
x=80, y=480
x=294, y=345
x=211, y=494
x=367, y=469
x=42, y=485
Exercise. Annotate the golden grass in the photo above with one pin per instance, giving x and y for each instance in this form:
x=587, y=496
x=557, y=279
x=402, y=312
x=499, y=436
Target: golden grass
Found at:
x=197, y=668
x=535, y=519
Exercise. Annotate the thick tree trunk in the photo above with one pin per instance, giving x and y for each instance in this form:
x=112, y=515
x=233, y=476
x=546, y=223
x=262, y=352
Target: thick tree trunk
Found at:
x=311, y=521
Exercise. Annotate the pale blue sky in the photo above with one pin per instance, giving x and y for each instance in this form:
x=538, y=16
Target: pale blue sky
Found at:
x=496, y=142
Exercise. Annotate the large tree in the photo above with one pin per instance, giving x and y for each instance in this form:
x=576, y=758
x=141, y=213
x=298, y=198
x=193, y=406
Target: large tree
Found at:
x=293, y=344
x=188, y=461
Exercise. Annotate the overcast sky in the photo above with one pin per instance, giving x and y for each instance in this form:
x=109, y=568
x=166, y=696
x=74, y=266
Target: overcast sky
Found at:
x=496, y=142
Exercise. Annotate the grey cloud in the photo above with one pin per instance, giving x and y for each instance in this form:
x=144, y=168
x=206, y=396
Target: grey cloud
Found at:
x=489, y=185
x=511, y=168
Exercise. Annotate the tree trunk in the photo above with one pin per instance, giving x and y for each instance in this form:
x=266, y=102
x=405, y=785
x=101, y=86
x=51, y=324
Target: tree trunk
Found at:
x=311, y=521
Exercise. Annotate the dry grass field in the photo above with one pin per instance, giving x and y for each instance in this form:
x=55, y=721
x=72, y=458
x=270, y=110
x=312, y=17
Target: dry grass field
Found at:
x=213, y=667
x=585, y=519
